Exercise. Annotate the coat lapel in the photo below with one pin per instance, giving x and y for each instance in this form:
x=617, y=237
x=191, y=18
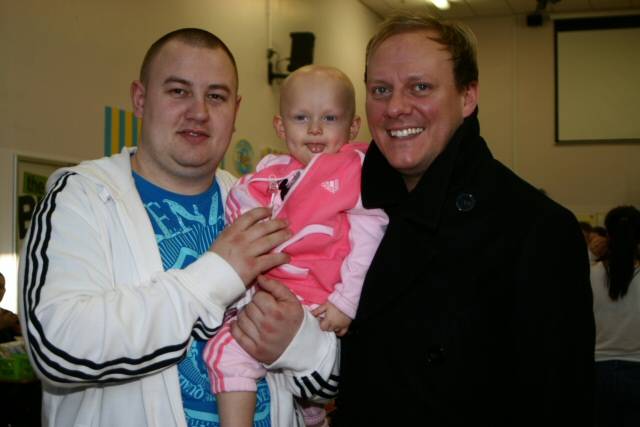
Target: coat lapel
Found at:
x=410, y=242
x=403, y=255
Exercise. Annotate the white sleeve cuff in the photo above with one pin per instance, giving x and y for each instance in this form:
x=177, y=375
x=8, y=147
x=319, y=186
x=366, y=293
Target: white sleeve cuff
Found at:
x=212, y=280
x=308, y=349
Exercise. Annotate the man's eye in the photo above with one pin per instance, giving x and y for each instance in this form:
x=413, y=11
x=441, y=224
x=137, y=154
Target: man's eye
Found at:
x=379, y=90
x=217, y=97
x=177, y=91
x=421, y=87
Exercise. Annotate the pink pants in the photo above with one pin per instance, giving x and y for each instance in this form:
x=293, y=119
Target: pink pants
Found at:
x=230, y=367
x=233, y=369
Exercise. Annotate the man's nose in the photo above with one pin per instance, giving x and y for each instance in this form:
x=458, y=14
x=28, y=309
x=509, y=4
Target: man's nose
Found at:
x=398, y=104
x=198, y=110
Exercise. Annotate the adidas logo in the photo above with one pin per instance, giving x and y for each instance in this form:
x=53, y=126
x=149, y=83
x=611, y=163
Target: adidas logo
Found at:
x=332, y=186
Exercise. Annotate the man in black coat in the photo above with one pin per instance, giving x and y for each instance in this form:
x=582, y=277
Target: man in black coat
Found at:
x=477, y=308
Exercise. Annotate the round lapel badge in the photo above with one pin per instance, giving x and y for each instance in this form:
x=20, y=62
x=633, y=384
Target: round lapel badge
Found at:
x=465, y=202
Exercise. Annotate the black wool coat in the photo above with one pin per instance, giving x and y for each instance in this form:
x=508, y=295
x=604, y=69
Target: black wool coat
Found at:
x=477, y=309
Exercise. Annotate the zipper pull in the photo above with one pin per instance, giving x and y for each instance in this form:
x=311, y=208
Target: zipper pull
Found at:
x=272, y=190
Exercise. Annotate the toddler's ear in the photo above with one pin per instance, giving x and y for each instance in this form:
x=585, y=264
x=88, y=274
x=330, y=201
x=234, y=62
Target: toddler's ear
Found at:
x=354, y=128
x=278, y=125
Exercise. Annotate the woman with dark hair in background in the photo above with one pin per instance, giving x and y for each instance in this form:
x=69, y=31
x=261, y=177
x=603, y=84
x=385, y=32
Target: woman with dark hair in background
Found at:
x=616, y=302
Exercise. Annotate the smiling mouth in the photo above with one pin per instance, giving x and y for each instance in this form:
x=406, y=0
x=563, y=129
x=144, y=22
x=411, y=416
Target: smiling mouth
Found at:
x=404, y=133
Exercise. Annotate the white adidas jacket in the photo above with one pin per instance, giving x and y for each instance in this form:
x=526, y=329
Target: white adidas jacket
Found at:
x=105, y=325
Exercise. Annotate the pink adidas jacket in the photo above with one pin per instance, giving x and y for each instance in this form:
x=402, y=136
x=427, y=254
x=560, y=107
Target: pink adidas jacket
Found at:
x=334, y=237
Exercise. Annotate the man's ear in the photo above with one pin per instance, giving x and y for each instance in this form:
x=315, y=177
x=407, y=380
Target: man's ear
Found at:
x=471, y=94
x=278, y=125
x=354, y=128
x=138, y=92
x=235, y=113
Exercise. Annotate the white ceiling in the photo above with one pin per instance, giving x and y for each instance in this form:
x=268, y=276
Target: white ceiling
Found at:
x=483, y=8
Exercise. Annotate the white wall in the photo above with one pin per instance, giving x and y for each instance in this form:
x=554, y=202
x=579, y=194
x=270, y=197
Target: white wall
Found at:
x=517, y=111
x=65, y=60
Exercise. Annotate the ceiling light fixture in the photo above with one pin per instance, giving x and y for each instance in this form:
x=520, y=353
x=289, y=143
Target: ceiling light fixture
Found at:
x=441, y=4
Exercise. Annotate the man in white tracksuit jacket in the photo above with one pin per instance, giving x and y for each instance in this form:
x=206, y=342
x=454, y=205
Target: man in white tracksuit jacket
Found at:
x=104, y=322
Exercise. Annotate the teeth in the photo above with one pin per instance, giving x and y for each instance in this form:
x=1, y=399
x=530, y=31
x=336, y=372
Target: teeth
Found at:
x=402, y=133
x=193, y=133
x=316, y=148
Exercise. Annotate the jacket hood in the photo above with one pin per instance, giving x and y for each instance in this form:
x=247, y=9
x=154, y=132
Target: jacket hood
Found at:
x=112, y=172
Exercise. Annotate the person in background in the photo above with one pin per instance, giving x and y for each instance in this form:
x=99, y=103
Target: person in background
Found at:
x=587, y=229
x=316, y=188
x=600, y=231
x=596, y=239
x=127, y=271
x=477, y=307
x=9, y=322
x=616, y=303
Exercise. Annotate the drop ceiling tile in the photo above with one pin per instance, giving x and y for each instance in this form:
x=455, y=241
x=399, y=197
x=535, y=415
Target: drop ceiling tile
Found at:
x=489, y=7
x=610, y=4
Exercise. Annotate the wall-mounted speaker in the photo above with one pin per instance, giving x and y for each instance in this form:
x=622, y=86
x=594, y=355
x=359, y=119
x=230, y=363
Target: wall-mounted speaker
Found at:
x=534, y=19
x=301, y=55
x=301, y=50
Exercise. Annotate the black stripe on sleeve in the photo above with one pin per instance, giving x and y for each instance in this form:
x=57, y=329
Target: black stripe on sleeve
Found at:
x=36, y=269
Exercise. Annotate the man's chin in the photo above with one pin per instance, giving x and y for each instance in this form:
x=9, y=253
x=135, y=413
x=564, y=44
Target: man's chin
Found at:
x=196, y=168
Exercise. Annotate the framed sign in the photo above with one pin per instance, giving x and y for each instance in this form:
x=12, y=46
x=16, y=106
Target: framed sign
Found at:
x=31, y=179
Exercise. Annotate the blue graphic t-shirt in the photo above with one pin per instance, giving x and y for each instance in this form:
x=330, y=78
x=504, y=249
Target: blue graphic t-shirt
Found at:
x=185, y=227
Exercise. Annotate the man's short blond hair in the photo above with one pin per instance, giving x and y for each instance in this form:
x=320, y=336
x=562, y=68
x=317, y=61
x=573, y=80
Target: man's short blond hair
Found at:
x=454, y=36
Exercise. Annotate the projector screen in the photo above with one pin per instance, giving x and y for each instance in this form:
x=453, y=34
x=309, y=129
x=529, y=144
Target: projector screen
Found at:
x=598, y=80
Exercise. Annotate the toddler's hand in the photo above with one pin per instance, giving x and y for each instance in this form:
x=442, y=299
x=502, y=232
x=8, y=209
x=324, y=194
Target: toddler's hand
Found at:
x=332, y=319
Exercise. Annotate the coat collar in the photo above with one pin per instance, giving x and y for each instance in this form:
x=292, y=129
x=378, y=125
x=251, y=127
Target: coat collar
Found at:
x=416, y=218
x=383, y=186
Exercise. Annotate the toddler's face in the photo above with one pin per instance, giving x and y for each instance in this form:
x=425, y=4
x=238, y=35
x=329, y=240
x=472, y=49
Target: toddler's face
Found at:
x=315, y=117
